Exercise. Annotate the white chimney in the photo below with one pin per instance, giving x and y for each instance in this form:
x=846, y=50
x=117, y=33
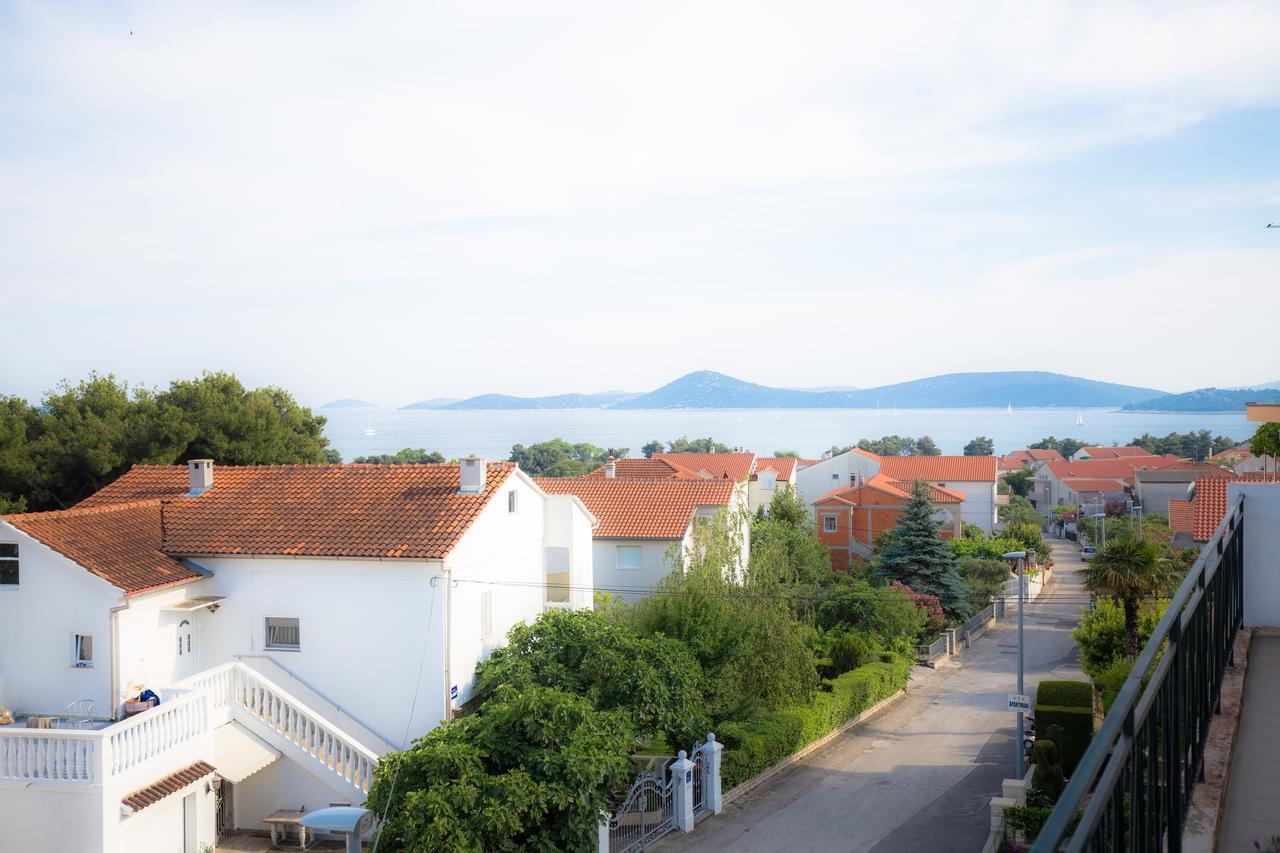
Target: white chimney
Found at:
x=471, y=471
x=610, y=468
x=199, y=477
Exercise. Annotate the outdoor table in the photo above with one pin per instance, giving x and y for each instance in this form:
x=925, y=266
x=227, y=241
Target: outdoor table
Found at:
x=41, y=722
x=281, y=820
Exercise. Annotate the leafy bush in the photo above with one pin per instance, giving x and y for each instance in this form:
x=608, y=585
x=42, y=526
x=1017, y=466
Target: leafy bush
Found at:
x=1100, y=634
x=985, y=577
x=1047, y=779
x=1028, y=819
x=849, y=652
x=752, y=745
x=1068, y=705
x=882, y=612
x=1111, y=679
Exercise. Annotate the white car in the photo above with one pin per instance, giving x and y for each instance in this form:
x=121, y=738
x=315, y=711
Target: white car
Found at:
x=1088, y=552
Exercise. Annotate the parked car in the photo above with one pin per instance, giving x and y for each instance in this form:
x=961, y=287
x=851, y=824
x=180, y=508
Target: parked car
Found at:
x=1088, y=552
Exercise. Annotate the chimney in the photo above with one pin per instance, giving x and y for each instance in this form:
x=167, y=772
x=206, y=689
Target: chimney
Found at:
x=199, y=477
x=471, y=472
x=610, y=468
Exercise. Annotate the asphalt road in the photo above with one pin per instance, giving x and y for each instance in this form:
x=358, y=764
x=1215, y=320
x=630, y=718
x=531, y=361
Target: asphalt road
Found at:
x=920, y=776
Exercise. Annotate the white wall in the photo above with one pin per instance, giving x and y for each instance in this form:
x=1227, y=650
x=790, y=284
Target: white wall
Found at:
x=47, y=818
x=159, y=827
x=655, y=564
x=364, y=628
x=979, y=505
x=148, y=638
x=816, y=480
x=1261, y=547
x=54, y=599
x=568, y=525
x=282, y=784
x=1155, y=497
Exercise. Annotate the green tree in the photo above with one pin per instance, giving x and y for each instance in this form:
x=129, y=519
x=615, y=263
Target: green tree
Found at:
x=1019, y=510
x=531, y=770
x=651, y=447
x=684, y=444
x=986, y=579
x=1266, y=441
x=894, y=445
x=919, y=557
x=1019, y=482
x=654, y=679
x=17, y=454
x=1066, y=446
x=980, y=446
x=558, y=458
x=926, y=447
x=406, y=456
x=786, y=454
x=1128, y=569
x=885, y=613
x=1192, y=445
x=1100, y=636
x=785, y=545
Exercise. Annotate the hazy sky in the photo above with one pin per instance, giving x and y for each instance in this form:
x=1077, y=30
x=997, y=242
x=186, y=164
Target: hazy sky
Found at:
x=403, y=201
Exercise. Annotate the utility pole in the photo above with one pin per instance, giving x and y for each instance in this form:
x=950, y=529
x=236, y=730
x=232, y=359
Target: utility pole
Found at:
x=1020, y=557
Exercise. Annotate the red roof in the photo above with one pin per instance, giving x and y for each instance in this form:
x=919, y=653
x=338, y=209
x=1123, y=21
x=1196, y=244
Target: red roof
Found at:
x=645, y=469
x=410, y=511
x=805, y=463
x=1182, y=516
x=784, y=465
x=1119, y=469
x=641, y=509
x=1211, y=500
x=939, y=469
x=732, y=466
x=1091, y=484
x=1115, y=452
x=120, y=543
x=897, y=488
x=166, y=785
x=1042, y=455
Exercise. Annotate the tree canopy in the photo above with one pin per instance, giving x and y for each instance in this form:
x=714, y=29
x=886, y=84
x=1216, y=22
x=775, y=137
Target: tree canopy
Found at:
x=1019, y=482
x=919, y=557
x=1128, y=569
x=980, y=446
x=892, y=445
x=558, y=458
x=1198, y=445
x=407, y=456
x=83, y=436
x=1065, y=446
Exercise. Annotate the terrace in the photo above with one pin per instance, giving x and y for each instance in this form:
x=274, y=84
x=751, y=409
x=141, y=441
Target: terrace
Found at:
x=1189, y=757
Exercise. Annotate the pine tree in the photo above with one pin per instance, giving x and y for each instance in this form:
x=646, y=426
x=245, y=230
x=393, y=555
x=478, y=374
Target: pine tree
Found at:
x=919, y=557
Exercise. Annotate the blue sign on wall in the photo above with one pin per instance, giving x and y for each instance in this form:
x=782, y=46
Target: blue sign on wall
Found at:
x=453, y=692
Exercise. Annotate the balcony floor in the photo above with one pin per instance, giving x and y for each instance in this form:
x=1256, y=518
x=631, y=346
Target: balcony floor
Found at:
x=1253, y=792
x=245, y=843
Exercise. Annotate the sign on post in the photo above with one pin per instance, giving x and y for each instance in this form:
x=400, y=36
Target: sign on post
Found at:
x=1019, y=702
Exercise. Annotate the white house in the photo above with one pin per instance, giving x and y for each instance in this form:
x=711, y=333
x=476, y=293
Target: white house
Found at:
x=289, y=617
x=642, y=521
x=972, y=476
x=769, y=475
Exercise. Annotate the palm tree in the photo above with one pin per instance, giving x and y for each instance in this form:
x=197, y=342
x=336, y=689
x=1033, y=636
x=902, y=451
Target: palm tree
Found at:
x=1128, y=569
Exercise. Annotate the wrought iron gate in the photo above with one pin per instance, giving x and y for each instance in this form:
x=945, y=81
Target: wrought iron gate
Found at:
x=645, y=815
x=224, y=823
x=699, y=778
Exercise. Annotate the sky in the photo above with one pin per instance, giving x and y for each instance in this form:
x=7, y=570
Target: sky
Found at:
x=400, y=201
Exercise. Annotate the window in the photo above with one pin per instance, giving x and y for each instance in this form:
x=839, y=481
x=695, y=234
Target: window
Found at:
x=835, y=476
x=283, y=634
x=629, y=557
x=81, y=650
x=766, y=482
x=8, y=564
x=513, y=500
x=829, y=524
x=486, y=612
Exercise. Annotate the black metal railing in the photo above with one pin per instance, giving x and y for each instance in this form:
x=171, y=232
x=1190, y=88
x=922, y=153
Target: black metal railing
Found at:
x=1132, y=788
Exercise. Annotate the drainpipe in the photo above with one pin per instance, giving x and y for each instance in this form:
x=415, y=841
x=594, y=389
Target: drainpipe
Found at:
x=448, y=628
x=115, y=657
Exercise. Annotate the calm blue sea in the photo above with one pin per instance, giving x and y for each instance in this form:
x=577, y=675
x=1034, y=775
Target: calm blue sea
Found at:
x=809, y=431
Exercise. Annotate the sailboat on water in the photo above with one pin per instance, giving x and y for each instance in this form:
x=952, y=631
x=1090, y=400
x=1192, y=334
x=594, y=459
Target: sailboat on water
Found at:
x=1080, y=419
x=1009, y=409
x=368, y=426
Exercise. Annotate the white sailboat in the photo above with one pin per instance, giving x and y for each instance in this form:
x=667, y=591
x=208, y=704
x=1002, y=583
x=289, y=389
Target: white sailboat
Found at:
x=1080, y=419
x=1009, y=409
x=368, y=426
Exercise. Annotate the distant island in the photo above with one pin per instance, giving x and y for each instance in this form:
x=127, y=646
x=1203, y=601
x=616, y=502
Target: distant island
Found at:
x=707, y=389
x=348, y=403
x=1206, y=400
x=433, y=403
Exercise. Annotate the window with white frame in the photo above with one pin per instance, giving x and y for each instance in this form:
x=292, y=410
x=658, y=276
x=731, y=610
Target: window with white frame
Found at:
x=284, y=634
x=486, y=613
x=829, y=524
x=8, y=564
x=513, y=501
x=629, y=557
x=82, y=650
x=766, y=481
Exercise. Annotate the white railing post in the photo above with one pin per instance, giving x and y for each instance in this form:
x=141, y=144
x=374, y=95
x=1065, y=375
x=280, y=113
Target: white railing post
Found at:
x=682, y=791
x=602, y=834
x=711, y=756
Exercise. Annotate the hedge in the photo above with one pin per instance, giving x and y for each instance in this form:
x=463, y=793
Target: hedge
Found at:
x=1068, y=705
x=753, y=745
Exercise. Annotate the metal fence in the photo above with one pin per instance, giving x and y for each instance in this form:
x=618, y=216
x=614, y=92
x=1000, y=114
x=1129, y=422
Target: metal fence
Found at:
x=1134, y=782
x=646, y=814
x=977, y=623
x=699, y=777
x=932, y=651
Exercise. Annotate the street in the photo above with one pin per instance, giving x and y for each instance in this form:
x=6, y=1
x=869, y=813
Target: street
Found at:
x=919, y=777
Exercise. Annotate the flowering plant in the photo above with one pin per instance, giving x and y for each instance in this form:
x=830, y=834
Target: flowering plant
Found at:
x=935, y=619
x=6, y=717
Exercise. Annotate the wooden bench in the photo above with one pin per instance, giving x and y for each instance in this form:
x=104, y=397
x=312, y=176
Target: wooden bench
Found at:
x=280, y=821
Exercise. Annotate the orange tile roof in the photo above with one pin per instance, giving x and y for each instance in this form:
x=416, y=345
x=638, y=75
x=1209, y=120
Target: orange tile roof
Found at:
x=732, y=466
x=805, y=463
x=1094, y=484
x=645, y=469
x=1042, y=455
x=1116, y=452
x=1182, y=516
x=408, y=511
x=166, y=785
x=1208, y=469
x=939, y=469
x=897, y=488
x=641, y=509
x=120, y=544
x=1211, y=500
x=1108, y=468
x=784, y=465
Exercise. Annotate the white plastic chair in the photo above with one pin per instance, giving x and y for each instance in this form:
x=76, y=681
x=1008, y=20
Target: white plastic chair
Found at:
x=80, y=714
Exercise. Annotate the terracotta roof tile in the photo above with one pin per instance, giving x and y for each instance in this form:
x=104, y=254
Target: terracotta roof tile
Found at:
x=731, y=466
x=801, y=464
x=171, y=784
x=641, y=509
x=1094, y=484
x=1211, y=501
x=120, y=543
x=645, y=469
x=1115, y=452
x=784, y=465
x=1182, y=516
x=407, y=511
x=939, y=469
x=1108, y=468
x=896, y=488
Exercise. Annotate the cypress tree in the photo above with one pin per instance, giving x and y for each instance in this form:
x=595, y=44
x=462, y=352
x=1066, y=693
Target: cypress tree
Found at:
x=919, y=557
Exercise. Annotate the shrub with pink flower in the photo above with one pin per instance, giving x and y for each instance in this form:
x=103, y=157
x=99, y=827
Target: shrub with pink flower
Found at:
x=932, y=607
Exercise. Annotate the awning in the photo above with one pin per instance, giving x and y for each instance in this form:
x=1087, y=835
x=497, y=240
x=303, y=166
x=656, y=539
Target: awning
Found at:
x=239, y=753
x=188, y=604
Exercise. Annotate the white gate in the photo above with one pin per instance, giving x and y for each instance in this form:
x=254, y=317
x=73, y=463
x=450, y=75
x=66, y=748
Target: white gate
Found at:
x=646, y=814
x=699, y=777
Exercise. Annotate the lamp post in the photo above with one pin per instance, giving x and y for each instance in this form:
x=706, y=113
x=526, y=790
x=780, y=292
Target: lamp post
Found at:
x=1020, y=557
x=1103, y=521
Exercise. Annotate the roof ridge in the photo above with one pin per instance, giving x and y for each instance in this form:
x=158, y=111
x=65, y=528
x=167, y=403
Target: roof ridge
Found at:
x=76, y=511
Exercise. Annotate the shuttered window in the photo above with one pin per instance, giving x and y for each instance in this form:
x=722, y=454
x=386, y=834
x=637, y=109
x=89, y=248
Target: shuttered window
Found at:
x=283, y=634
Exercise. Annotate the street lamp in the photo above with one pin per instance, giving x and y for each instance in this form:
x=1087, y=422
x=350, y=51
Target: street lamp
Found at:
x=1020, y=557
x=1103, y=516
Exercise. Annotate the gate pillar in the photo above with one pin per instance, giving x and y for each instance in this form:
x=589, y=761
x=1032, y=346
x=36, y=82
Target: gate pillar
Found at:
x=682, y=791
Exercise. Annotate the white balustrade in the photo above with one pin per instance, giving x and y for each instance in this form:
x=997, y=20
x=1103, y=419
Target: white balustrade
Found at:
x=53, y=755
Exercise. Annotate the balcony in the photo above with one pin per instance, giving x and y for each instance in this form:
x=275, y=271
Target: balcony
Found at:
x=1155, y=775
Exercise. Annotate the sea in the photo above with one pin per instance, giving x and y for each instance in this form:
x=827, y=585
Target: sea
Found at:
x=809, y=431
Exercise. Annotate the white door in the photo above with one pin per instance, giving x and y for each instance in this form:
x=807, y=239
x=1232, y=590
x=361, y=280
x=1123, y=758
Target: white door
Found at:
x=186, y=649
